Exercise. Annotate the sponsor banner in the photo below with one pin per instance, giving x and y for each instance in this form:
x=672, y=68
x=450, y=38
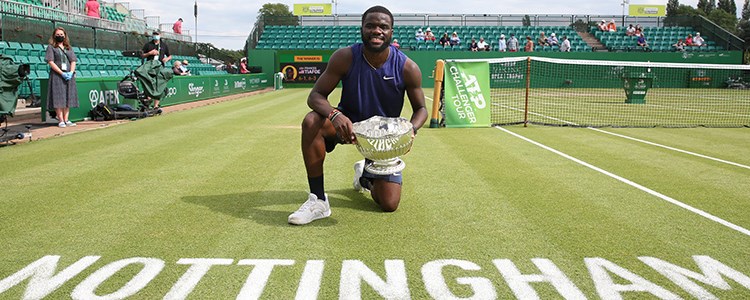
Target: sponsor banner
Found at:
x=308, y=58
x=302, y=72
x=313, y=9
x=647, y=10
x=467, y=94
x=181, y=89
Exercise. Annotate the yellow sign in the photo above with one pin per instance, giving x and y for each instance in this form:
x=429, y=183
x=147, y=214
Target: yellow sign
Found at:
x=313, y=9
x=647, y=10
x=308, y=58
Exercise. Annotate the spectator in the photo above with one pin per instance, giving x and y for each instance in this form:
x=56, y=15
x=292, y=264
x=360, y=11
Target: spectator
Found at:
x=529, y=45
x=177, y=27
x=630, y=31
x=698, y=40
x=689, y=40
x=243, y=65
x=513, y=43
x=177, y=69
x=62, y=93
x=184, y=68
x=395, y=44
x=603, y=26
x=482, y=45
x=92, y=9
x=565, y=46
x=501, y=44
x=638, y=30
x=455, y=41
x=679, y=46
x=473, y=45
x=642, y=42
x=552, y=40
x=542, y=40
x=445, y=40
x=428, y=36
x=419, y=35
x=612, y=27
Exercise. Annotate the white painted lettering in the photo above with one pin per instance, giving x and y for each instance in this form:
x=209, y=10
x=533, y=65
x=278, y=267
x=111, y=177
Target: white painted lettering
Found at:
x=434, y=281
x=354, y=271
x=151, y=268
x=309, y=284
x=520, y=284
x=712, y=275
x=258, y=277
x=199, y=267
x=608, y=289
x=43, y=281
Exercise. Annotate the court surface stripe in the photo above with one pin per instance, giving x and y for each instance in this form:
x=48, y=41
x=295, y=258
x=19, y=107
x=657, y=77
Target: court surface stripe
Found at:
x=633, y=184
x=672, y=148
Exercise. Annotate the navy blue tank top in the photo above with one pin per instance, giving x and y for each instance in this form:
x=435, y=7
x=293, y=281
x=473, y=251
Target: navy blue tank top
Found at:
x=371, y=92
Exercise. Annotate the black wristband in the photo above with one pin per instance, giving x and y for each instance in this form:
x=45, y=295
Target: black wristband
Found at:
x=414, y=129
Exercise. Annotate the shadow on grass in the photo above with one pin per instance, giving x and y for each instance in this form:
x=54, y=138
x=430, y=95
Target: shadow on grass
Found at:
x=260, y=206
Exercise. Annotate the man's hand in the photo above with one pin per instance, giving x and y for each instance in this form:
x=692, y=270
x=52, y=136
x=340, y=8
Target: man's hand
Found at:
x=153, y=52
x=344, y=129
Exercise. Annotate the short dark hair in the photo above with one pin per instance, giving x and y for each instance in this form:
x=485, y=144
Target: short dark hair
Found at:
x=377, y=9
x=155, y=33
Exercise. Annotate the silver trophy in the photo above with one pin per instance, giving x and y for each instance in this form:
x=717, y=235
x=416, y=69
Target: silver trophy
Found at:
x=383, y=140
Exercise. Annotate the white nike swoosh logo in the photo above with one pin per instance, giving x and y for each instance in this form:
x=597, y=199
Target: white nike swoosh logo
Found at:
x=396, y=174
x=387, y=78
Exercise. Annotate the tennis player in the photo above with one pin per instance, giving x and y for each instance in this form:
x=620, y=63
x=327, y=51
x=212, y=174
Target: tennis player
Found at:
x=374, y=76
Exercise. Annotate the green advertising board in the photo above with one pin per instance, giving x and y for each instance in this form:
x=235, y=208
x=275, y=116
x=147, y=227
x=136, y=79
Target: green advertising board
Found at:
x=467, y=94
x=92, y=91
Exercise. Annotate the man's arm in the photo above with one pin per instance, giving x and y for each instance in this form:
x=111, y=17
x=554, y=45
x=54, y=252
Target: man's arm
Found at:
x=167, y=55
x=413, y=80
x=336, y=69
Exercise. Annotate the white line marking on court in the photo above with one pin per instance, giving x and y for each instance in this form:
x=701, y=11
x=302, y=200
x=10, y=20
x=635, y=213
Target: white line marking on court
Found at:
x=633, y=184
x=536, y=114
x=672, y=148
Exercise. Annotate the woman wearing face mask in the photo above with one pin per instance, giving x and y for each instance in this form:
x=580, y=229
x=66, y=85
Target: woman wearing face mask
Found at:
x=62, y=93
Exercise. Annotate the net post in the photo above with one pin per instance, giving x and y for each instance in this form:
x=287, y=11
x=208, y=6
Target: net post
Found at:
x=528, y=86
x=434, y=121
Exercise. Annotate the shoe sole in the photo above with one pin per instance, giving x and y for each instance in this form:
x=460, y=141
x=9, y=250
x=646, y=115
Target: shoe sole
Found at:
x=300, y=222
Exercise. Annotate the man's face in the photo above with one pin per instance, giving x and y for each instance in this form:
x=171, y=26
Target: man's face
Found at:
x=377, y=32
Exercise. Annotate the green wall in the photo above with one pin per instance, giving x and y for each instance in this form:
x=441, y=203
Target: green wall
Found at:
x=426, y=59
x=92, y=91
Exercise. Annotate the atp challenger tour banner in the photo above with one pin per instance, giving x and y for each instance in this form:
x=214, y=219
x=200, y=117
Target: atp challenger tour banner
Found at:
x=467, y=94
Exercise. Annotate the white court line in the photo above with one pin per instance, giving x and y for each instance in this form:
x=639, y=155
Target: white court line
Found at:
x=672, y=148
x=637, y=140
x=633, y=184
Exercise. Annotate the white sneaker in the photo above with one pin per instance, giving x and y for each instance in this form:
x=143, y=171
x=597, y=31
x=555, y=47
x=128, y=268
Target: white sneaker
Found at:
x=70, y=124
x=359, y=168
x=61, y=125
x=311, y=210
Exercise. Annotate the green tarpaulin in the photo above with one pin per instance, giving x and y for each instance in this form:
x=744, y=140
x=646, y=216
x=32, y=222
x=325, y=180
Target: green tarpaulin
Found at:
x=9, y=82
x=154, y=78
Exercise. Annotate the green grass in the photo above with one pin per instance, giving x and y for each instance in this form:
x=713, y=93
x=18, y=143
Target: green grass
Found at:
x=219, y=182
x=663, y=107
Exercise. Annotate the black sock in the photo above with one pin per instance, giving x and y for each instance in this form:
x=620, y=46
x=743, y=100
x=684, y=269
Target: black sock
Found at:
x=316, y=186
x=365, y=183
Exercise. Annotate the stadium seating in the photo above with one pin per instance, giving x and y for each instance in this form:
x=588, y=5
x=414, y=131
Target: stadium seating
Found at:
x=659, y=39
x=91, y=63
x=334, y=37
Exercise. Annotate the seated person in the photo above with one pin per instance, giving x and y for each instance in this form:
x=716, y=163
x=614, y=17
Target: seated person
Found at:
x=565, y=46
x=689, y=40
x=602, y=26
x=428, y=36
x=642, y=42
x=612, y=27
x=552, y=40
x=419, y=35
x=395, y=44
x=243, y=66
x=698, y=40
x=482, y=45
x=184, y=68
x=542, y=40
x=455, y=41
x=630, y=31
x=445, y=40
x=679, y=46
x=176, y=69
x=529, y=47
x=473, y=45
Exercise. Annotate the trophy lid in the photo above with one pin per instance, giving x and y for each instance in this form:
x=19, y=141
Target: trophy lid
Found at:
x=382, y=127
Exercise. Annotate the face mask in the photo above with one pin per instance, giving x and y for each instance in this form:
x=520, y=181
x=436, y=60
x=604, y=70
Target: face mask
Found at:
x=59, y=39
x=156, y=38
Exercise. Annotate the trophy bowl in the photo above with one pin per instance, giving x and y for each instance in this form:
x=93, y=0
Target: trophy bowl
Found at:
x=383, y=140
